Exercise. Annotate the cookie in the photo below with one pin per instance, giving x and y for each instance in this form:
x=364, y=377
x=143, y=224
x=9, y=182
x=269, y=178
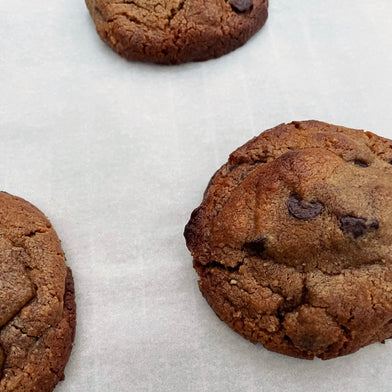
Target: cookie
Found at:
x=176, y=31
x=37, y=312
x=293, y=240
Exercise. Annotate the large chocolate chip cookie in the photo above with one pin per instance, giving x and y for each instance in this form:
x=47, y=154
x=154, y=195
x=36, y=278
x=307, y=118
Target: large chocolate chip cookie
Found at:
x=37, y=312
x=176, y=31
x=293, y=240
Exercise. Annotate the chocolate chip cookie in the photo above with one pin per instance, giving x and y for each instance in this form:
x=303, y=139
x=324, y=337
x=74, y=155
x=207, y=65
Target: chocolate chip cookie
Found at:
x=37, y=312
x=293, y=240
x=176, y=31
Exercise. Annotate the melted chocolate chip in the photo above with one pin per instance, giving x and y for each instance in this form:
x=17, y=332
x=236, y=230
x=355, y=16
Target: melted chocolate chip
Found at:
x=257, y=245
x=360, y=162
x=351, y=225
x=302, y=209
x=357, y=227
x=241, y=5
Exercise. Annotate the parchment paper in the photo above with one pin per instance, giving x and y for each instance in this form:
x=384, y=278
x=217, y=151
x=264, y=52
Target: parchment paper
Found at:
x=117, y=154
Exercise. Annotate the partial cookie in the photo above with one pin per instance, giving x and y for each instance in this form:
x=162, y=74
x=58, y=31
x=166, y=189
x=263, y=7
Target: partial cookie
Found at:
x=37, y=312
x=293, y=240
x=176, y=31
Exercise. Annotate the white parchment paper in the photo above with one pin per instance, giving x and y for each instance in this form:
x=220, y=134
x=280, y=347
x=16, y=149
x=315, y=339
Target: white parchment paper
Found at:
x=117, y=154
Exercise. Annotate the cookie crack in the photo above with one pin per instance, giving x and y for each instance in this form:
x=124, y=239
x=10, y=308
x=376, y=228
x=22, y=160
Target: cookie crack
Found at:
x=132, y=2
x=20, y=329
x=343, y=328
x=34, y=232
x=217, y=264
x=175, y=11
x=125, y=14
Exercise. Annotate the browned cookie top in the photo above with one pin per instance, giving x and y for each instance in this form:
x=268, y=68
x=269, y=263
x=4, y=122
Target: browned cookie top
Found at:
x=293, y=240
x=37, y=312
x=176, y=31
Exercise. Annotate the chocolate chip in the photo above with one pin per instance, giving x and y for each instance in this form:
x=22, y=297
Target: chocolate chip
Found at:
x=353, y=225
x=257, y=245
x=241, y=5
x=357, y=227
x=302, y=209
x=360, y=162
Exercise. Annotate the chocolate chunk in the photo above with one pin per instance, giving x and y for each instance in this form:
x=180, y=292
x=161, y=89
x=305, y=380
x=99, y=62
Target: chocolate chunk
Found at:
x=257, y=245
x=241, y=5
x=357, y=226
x=302, y=209
x=360, y=162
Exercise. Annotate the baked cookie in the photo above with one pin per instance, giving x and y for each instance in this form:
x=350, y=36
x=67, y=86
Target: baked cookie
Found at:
x=37, y=312
x=176, y=31
x=293, y=240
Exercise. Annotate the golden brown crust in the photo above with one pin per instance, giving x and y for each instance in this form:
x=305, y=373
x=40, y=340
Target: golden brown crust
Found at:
x=293, y=240
x=176, y=31
x=38, y=316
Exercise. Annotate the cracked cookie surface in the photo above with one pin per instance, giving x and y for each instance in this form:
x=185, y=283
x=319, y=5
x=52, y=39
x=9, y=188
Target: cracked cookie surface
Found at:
x=293, y=240
x=37, y=312
x=176, y=31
